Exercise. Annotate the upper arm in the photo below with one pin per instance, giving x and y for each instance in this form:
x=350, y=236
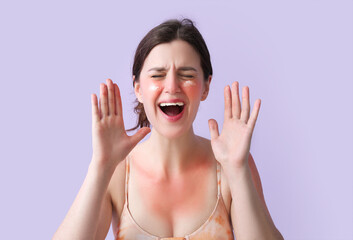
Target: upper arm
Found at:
x=105, y=217
x=113, y=202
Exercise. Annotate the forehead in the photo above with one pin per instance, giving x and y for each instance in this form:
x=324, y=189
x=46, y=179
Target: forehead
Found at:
x=178, y=52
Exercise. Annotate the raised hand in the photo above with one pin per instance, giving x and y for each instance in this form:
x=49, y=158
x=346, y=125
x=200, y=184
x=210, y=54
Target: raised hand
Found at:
x=232, y=147
x=110, y=142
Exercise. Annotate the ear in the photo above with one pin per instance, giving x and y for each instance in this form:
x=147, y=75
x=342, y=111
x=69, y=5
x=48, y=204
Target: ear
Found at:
x=137, y=89
x=207, y=88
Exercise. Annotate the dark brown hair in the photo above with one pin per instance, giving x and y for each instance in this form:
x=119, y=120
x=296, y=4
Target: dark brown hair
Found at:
x=164, y=33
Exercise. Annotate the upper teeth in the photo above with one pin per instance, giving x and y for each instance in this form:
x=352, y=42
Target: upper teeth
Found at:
x=172, y=104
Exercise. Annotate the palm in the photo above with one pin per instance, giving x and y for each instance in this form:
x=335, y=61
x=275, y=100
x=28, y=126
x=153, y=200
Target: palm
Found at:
x=231, y=147
x=107, y=134
x=110, y=142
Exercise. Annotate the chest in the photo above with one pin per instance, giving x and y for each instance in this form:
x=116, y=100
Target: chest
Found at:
x=168, y=209
x=172, y=208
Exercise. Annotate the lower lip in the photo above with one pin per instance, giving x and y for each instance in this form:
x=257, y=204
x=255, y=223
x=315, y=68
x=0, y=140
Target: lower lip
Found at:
x=173, y=118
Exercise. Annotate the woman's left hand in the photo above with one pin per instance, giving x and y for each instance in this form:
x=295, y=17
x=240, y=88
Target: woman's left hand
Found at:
x=232, y=147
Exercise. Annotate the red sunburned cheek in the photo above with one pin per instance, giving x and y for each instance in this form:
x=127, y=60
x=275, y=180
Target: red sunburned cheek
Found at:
x=154, y=86
x=192, y=91
x=150, y=93
x=149, y=87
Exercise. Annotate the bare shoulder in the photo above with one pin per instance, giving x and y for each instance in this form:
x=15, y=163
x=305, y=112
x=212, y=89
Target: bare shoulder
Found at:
x=225, y=190
x=206, y=146
x=116, y=189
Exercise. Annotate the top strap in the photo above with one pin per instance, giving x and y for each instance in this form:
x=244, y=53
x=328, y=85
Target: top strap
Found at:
x=218, y=178
x=127, y=174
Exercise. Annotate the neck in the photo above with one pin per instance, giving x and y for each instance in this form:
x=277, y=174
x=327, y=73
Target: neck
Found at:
x=171, y=157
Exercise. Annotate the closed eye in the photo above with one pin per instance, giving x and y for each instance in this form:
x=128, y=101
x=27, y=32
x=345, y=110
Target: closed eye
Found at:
x=187, y=76
x=184, y=76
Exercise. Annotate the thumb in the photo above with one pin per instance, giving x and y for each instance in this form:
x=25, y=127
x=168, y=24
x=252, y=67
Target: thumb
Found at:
x=213, y=125
x=139, y=135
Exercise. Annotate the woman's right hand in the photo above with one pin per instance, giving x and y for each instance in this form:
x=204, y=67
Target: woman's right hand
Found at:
x=110, y=142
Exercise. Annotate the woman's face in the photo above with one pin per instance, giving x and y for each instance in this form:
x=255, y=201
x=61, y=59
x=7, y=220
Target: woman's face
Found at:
x=171, y=86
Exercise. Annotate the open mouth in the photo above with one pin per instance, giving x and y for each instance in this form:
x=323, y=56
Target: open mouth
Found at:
x=172, y=109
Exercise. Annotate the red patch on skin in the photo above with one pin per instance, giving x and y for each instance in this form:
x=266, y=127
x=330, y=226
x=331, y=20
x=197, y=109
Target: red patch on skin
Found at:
x=193, y=92
x=219, y=220
x=183, y=195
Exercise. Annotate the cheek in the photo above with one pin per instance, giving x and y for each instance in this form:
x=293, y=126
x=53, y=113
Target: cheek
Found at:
x=151, y=89
x=154, y=87
x=189, y=83
x=192, y=89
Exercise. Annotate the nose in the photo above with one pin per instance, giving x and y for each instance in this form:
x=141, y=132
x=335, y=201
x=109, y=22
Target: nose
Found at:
x=172, y=83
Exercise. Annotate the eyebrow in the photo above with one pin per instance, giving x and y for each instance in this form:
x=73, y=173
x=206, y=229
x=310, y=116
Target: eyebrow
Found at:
x=160, y=69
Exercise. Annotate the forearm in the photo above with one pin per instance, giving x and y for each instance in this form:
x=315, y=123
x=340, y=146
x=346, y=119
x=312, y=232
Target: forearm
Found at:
x=82, y=219
x=250, y=218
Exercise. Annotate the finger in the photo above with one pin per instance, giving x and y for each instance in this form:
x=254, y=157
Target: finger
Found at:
x=111, y=97
x=254, y=114
x=245, y=108
x=139, y=135
x=95, y=110
x=118, y=104
x=227, y=103
x=100, y=109
x=213, y=125
x=235, y=100
x=104, y=101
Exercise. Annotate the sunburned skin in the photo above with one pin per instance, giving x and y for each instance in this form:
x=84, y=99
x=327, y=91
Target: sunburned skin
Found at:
x=178, y=198
x=159, y=199
x=192, y=88
x=162, y=201
x=189, y=87
x=154, y=87
x=182, y=196
x=189, y=83
x=157, y=87
x=172, y=71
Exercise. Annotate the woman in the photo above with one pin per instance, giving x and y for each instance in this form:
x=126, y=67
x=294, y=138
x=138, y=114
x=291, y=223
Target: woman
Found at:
x=174, y=185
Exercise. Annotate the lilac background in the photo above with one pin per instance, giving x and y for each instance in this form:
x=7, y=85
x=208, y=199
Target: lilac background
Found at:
x=296, y=56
